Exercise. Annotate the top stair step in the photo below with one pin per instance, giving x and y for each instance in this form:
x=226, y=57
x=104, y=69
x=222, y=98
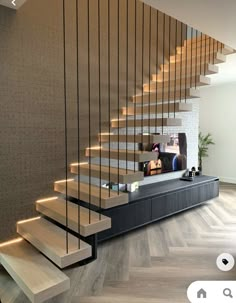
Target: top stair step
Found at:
x=91, y=193
x=38, y=278
x=80, y=220
x=51, y=241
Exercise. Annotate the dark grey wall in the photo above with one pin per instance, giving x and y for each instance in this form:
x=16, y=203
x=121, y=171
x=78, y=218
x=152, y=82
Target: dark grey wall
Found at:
x=31, y=92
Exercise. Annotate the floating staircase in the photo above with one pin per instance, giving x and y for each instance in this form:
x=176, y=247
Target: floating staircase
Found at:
x=56, y=234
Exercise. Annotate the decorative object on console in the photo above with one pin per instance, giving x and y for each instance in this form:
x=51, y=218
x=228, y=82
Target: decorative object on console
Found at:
x=132, y=187
x=203, y=146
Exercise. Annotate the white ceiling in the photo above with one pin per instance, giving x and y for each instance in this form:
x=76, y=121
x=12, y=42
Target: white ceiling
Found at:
x=216, y=18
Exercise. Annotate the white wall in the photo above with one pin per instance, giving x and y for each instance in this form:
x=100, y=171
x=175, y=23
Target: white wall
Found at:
x=215, y=18
x=218, y=116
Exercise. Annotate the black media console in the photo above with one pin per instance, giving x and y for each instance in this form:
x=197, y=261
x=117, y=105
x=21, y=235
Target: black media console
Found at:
x=159, y=200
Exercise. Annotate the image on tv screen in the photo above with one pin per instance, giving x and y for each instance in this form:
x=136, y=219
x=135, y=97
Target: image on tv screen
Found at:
x=171, y=156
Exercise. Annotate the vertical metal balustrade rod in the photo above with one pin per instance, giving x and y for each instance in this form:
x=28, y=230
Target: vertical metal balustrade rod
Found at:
x=149, y=97
x=169, y=68
x=109, y=93
x=78, y=115
x=118, y=88
x=65, y=112
x=205, y=55
x=181, y=62
x=142, y=72
x=89, y=107
x=175, y=87
x=213, y=54
x=99, y=110
x=127, y=79
x=186, y=65
x=163, y=73
x=191, y=64
x=201, y=55
x=135, y=76
x=157, y=62
x=196, y=53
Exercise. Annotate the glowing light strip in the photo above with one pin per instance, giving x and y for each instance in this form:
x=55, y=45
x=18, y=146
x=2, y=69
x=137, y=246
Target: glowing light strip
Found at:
x=11, y=242
x=28, y=220
x=79, y=164
x=62, y=181
x=46, y=199
x=95, y=147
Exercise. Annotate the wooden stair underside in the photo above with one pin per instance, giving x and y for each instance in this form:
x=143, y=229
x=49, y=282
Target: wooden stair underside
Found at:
x=111, y=174
x=163, y=96
x=209, y=69
x=157, y=109
x=137, y=138
x=38, y=278
x=51, y=241
x=175, y=84
x=129, y=155
x=92, y=194
x=146, y=122
x=79, y=219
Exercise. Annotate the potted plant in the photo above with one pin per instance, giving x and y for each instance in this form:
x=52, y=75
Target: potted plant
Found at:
x=203, y=145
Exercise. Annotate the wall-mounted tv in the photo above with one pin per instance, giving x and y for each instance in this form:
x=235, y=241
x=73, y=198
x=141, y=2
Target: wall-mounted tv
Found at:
x=171, y=156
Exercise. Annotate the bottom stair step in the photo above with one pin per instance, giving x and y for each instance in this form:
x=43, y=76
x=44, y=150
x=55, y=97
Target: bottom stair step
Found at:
x=51, y=241
x=38, y=278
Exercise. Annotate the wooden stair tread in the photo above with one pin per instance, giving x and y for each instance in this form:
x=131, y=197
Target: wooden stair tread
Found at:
x=197, y=38
x=174, y=84
x=157, y=108
x=152, y=97
x=87, y=225
x=91, y=193
x=129, y=155
x=210, y=69
x=138, y=138
x=51, y=241
x=181, y=64
x=146, y=122
x=38, y=278
x=113, y=174
x=201, y=58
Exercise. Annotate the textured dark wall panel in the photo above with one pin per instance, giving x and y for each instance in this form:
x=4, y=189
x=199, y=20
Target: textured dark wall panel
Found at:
x=31, y=92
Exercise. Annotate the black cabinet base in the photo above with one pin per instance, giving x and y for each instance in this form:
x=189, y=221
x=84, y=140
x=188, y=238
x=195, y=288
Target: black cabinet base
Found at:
x=157, y=201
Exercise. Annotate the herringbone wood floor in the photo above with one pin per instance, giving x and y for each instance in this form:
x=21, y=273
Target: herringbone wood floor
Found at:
x=153, y=264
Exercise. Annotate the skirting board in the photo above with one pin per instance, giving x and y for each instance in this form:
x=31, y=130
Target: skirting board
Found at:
x=228, y=180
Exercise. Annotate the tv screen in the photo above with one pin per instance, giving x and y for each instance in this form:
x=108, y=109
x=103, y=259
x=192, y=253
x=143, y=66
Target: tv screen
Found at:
x=171, y=156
